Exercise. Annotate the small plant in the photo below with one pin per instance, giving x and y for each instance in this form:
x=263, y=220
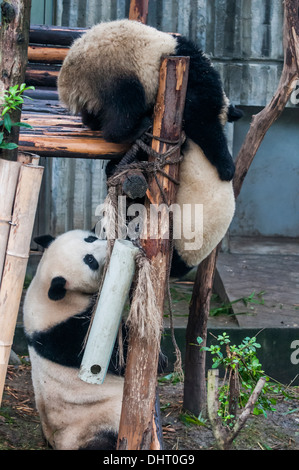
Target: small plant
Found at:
x=244, y=369
x=172, y=378
x=188, y=419
x=12, y=99
x=226, y=308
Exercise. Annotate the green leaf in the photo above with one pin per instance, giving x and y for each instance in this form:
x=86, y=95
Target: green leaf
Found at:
x=7, y=122
x=8, y=146
x=5, y=110
x=13, y=89
x=22, y=124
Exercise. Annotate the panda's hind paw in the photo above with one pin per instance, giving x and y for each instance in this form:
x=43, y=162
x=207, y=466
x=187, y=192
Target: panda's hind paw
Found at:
x=226, y=172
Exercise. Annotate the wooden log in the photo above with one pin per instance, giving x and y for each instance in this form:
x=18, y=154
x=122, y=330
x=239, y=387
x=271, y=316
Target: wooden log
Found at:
x=17, y=254
x=43, y=106
x=142, y=362
x=138, y=10
x=56, y=35
x=9, y=172
x=14, y=37
x=43, y=93
x=49, y=55
x=65, y=136
x=42, y=75
x=134, y=184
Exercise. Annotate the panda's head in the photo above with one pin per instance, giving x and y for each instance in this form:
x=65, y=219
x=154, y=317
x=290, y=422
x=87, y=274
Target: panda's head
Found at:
x=72, y=262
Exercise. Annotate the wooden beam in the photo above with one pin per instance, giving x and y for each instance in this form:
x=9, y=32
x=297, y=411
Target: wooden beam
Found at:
x=55, y=35
x=65, y=136
x=142, y=362
x=42, y=75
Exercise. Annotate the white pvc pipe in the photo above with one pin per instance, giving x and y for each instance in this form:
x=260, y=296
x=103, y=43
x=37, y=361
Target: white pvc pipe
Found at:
x=108, y=313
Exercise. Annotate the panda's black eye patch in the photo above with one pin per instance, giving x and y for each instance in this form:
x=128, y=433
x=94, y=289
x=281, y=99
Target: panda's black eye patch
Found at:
x=90, y=239
x=91, y=262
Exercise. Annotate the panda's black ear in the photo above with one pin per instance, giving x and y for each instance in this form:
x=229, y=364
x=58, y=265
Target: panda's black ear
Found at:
x=44, y=240
x=57, y=288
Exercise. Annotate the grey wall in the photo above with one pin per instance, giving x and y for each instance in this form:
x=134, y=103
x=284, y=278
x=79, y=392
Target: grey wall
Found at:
x=269, y=201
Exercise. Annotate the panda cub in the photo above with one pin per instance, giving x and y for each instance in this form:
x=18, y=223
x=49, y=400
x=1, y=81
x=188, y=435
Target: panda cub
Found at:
x=57, y=311
x=111, y=77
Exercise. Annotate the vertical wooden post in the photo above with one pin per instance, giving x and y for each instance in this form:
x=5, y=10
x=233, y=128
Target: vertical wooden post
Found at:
x=138, y=10
x=142, y=362
x=14, y=39
x=195, y=359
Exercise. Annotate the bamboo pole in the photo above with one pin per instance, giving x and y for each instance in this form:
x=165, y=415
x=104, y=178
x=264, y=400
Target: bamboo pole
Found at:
x=9, y=172
x=17, y=253
x=142, y=362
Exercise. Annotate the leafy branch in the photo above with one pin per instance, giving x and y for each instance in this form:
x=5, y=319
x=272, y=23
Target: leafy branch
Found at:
x=13, y=99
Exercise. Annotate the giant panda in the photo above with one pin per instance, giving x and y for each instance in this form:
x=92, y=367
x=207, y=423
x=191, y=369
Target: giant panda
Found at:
x=111, y=77
x=57, y=310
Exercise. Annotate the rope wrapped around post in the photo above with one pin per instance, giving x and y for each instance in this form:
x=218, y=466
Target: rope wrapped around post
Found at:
x=130, y=164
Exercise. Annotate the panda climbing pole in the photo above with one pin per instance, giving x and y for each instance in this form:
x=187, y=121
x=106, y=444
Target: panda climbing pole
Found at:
x=136, y=424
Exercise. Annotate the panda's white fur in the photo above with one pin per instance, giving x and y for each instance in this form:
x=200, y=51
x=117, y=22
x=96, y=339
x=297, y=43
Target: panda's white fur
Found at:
x=200, y=184
x=121, y=41
x=74, y=414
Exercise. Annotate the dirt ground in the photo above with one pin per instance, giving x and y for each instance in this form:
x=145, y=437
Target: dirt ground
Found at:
x=20, y=426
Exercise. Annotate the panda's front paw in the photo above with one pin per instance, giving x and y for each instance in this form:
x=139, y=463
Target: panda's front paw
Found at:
x=226, y=171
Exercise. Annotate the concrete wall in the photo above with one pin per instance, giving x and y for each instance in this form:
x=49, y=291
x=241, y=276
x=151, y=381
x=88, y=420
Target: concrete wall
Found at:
x=269, y=201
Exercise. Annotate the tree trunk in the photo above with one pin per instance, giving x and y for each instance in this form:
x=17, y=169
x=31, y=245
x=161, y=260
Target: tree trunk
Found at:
x=138, y=10
x=263, y=120
x=195, y=359
x=14, y=38
x=135, y=431
x=194, y=394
